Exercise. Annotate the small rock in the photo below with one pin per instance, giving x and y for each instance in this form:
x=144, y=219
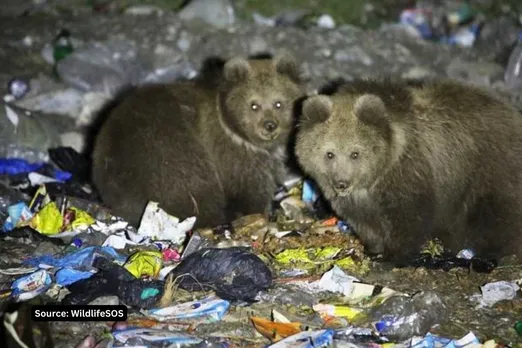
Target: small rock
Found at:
x=105, y=301
x=184, y=41
x=353, y=54
x=497, y=37
x=143, y=10
x=326, y=21
x=46, y=248
x=290, y=17
x=218, y=13
x=257, y=45
x=417, y=72
x=262, y=20
x=478, y=73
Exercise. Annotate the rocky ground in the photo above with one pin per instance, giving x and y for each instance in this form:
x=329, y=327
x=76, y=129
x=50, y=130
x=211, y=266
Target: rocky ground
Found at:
x=161, y=39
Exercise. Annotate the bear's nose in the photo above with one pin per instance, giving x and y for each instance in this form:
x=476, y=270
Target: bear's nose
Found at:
x=270, y=126
x=341, y=185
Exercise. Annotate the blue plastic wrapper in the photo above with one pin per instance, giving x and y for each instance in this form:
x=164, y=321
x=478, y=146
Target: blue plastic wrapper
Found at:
x=82, y=258
x=14, y=166
x=307, y=339
x=31, y=285
x=310, y=194
x=67, y=276
x=18, y=211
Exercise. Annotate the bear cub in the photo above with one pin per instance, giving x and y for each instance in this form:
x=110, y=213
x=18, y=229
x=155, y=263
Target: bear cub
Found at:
x=211, y=150
x=404, y=164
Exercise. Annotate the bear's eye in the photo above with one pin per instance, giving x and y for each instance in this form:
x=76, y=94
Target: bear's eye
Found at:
x=354, y=155
x=330, y=155
x=278, y=105
x=254, y=106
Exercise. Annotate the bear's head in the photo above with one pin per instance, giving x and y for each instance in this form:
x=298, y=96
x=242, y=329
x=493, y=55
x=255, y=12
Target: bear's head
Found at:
x=257, y=99
x=346, y=141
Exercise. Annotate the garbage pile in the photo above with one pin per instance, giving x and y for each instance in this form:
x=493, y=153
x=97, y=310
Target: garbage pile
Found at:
x=292, y=278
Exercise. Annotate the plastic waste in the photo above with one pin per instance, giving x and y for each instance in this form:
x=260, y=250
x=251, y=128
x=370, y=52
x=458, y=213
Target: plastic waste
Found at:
x=69, y=160
x=153, y=337
x=497, y=291
x=275, y=331
x=82, y=258
x=156, y=223
x=210, y=309
x=307, y=339
x=513, y=73
x=402, y=317
x=107, y=67
x=28, y=134
x=114, y=280
x=518, y=327
x=30, y=286
x=235, y=274
x=447, y=262
x=62, y=47
x=18, y=87
x=145, y=264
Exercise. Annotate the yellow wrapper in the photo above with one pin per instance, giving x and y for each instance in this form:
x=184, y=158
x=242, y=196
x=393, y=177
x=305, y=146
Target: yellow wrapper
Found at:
x=40, y=199
x=82, y=219
x=48, y=220
x=337, y=311
x=144, y=263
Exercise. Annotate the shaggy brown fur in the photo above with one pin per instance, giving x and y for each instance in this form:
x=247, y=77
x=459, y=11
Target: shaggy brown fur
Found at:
x=404, y=164
x=197, y=149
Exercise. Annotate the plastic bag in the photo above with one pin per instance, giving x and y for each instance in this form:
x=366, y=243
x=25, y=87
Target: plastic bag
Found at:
x=235, y=274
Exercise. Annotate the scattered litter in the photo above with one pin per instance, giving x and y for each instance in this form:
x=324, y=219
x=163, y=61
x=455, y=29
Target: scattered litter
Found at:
x=142, y=336
x=81, y=258
x=18, y=87
x=233, y=273
x=30, y=286
x=459, y=27
x=158, y=224
x=210, y=309
x=18, y=270
x=67, y=276
x=497, y=291
x=307, y=339
x=275, y=331
x=114, y=280
x=145, y=264
x=335, y=280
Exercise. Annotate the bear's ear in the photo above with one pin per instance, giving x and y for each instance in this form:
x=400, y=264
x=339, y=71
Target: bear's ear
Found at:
x=370, y=109
x=236, y=69
x=316, y=109
x=286, y=64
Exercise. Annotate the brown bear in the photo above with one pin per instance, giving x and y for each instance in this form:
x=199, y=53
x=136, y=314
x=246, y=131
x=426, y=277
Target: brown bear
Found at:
x=406, y=163
x=211, y=150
